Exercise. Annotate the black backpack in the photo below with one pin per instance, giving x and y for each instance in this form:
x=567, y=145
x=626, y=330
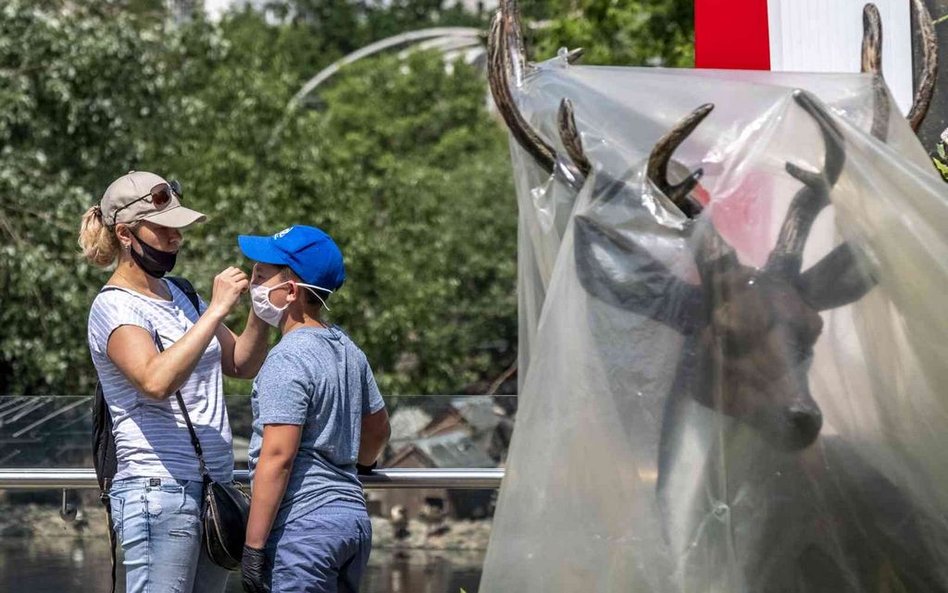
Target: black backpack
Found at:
x=103, y=441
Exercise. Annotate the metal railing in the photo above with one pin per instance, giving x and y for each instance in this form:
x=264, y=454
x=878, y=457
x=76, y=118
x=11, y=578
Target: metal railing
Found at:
x=382, y=479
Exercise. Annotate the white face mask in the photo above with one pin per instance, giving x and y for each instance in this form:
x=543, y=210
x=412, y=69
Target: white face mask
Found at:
x=266, y=310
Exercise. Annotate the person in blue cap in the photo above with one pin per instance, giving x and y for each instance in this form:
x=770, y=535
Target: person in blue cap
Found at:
x=318, y=420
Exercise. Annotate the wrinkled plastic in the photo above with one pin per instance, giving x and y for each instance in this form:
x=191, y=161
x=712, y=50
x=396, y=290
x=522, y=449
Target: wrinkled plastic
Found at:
x=629, y=470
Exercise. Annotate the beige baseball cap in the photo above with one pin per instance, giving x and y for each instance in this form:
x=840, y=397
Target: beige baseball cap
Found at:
x=129, y=199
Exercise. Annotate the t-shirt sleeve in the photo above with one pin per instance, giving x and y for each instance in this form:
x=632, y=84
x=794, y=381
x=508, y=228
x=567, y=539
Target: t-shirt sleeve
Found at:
x=110, y=311
x=371, y=397
x=283, y=393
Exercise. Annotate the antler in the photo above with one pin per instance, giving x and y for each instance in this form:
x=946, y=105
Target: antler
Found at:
x=871, y=40
x=872, y=64
x=613, y=267
x=573, y=56
x=660, y=156
x=503, y=43
x=505, y=32
x=570, y=137
x=842, y=276
x=498, y=58
x=926, y=88
x=813, y=196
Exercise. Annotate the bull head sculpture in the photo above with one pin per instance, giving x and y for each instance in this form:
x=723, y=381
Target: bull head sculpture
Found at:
x=749, y=332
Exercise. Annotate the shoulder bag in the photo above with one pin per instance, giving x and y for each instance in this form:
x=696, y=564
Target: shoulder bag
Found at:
x=225, y=506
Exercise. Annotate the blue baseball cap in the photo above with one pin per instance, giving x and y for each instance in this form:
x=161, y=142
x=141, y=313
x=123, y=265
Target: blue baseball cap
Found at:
x=308, y=251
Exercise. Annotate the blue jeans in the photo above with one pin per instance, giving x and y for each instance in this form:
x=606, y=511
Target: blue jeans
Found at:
x=324, y=551
x=158, y=522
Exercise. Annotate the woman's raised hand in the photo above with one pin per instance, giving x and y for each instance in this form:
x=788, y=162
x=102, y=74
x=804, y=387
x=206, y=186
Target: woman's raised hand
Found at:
x=228, y=286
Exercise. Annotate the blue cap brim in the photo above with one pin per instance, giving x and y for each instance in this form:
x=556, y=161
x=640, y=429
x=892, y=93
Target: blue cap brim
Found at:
x=261, y=249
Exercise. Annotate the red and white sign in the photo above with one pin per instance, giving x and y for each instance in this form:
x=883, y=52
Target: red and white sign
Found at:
x=803, y=36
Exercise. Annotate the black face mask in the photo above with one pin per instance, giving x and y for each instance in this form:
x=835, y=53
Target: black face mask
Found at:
x=154, y=262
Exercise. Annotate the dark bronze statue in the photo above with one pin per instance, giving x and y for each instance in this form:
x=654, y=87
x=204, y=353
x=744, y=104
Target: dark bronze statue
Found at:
x=749, y=335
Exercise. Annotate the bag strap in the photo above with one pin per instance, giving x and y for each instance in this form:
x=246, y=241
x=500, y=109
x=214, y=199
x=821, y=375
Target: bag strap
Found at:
x=185, y=286
x=187, y=420
x=112, y=538
x=110, y=527
x=105, y=485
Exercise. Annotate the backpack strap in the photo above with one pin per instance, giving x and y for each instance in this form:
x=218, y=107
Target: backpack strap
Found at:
x=103, y=449
x=195, y=442
x=112, y=538
x=185, y=286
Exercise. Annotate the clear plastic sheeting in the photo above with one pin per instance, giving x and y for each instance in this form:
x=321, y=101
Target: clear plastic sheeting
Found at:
x=702, y=409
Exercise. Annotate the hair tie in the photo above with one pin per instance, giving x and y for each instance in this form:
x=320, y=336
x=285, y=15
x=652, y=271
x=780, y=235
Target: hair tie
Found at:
x=97, y=210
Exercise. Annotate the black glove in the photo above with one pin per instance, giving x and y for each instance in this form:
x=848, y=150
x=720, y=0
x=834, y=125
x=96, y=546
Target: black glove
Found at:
x=253, y=570
x=364, y=470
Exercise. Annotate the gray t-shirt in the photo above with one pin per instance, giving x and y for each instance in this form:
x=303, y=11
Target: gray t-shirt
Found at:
x=319, y=379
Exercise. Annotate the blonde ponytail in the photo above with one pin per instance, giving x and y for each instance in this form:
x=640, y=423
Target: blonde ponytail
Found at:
x=98, y=242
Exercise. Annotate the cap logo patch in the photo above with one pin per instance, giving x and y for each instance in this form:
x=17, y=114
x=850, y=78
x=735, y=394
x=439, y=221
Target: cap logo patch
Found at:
x=282, y=233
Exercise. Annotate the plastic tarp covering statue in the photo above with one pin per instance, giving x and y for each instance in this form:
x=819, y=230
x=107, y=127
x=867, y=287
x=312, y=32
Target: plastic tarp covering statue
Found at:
x=735, y=382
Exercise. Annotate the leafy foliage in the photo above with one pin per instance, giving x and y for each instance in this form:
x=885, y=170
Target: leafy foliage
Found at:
x=401, y=163
x=616, y=32
x=345, y=26
x=63, y=129
x=939, y=158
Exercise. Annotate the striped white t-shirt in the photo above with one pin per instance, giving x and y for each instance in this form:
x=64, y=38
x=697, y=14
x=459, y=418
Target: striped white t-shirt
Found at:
x=151, y=437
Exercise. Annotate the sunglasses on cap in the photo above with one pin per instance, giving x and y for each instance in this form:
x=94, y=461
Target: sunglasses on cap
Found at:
x=159, y=197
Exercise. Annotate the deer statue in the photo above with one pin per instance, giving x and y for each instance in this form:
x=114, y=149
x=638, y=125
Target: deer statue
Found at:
x=748, y=341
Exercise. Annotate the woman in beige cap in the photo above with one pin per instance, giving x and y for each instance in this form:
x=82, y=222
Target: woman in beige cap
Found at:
x=148, y=341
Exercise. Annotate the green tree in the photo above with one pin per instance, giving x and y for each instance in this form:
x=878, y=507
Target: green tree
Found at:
x=413, y=175
x=616, y=32
x=401, y=162
x=345, y=26
x=81, y=94
x=403, y=165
